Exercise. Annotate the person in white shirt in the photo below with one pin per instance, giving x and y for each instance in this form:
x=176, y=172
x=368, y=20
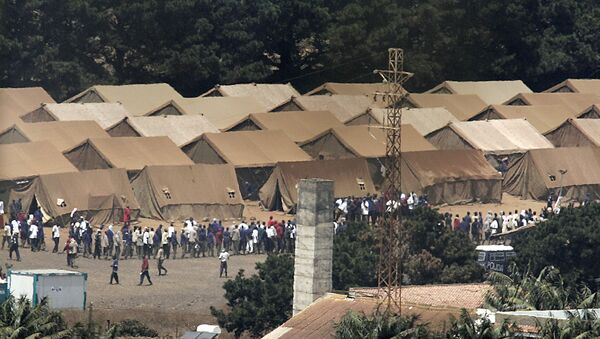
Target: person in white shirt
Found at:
x=146, y=241
x=33, y=237
x=223, y=257
x=271, y=233
x=6, y=235
x=254, y=238
x=364, y=209
x=170, y=230
x=55, y=237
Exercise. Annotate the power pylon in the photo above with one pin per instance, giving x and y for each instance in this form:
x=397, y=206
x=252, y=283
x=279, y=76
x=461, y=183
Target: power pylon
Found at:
x=389, y=226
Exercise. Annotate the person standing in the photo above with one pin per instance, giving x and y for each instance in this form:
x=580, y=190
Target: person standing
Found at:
x=223, y=257
x=33, y=237
x=115, y=268
x=174, y=244
x=71, y=252
x=14, y=245
x=110, y=237
x=166, y=246
x=117, y=242
x=55, y=237
x=126, y=216
x=160, y=259
x=144, y=272
x=235, y=239
x=210, y=243
x=97, y=245
x=6, y=235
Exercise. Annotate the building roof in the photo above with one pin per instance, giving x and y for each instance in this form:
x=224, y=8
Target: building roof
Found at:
x=491, y=92
x=576, y=102
x=498, y=136
x=138, y=99
x=181, y=129
x=132, y=153
x=543, y=117
x=344, y=107
x=424, y=120
x=591, y=86
x=254, y=148
x=32, y=159
x=64, y=135
x=343, y=88
x=298, y=125
x=105, y=114
x=462, y=106
x=269, y=95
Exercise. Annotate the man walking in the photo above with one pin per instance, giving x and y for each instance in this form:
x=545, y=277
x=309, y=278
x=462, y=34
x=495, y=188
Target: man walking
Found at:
x=144, y=272
x=55, y=237
x=223, y=257
x=14, y=245
x=160, y=259
x=115, y=268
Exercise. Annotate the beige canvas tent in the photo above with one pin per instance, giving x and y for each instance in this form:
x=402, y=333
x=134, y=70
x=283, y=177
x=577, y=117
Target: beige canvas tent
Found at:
x=138, y=99
x=462, y=106
x=343, y=88
x=351, y=178
x=181, y=129
x=424, y=120
x=451, y=176
x=592, y=112
x=15, y=102
x=491, y=92
x=252, y=153
x=591, y=86
x=538, y=172
x=64, y=135
x=130, y=153
x=269, y=95
x=101, y=195
x=300, y=126
x=543, y=117
x=349, y=109
x=575, y=102
x=576, y=133
x=179, y=192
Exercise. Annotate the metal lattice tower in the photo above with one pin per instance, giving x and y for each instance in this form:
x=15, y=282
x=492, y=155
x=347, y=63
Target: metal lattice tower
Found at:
x=389, y=226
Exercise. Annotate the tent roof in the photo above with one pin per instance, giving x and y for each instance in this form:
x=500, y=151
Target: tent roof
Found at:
x=424, y=120
x=106, y=114
x=32, y=159
x=589, y=127
x=134, y=153
x=576, y=102
x=504, y=135
x=298, y=125
x=591, y=86
x=179, y=128
x=462, y=106
x=581, y=163
x=269, y=95
x=344, y=107
x=439, y=166
x=543, y=117
x=138, y=99
x=369, y=141
x=255, y=148
x=349, y=88
x=491, y=92
x=15, y=102
x=194, y=184
x=64, y=135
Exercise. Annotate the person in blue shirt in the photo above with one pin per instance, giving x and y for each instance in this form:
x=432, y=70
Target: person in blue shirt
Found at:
x=115, y=268
x=110, y=235
x=210, y=243
x=174, y=244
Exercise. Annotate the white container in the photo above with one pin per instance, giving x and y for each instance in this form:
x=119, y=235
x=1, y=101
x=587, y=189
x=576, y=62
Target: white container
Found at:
x=64, y=289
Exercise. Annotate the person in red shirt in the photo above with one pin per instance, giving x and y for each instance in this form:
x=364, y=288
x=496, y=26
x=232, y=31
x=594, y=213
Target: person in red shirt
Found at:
x=144, y=272
x=126, y=216
x=279, y=230
x=456, y=223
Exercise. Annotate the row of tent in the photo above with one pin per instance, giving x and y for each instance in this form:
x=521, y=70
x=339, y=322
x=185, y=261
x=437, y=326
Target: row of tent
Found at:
x=257, y=128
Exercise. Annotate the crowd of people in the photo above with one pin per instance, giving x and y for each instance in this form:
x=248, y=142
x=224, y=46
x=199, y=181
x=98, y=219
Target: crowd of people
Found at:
x=370, y=207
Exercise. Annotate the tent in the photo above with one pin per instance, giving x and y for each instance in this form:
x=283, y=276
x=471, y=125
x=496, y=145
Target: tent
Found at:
x=351, y=178
x=180, y=192
x=99, y=195
x=138, y=99
x=451, y=176
x=361, y=141
x=543, y=117
x=222, y=112
x=462, y=106
x=181, y=129
x=349, y=109
x=15, y=102
x=342, y=88
x=298, y=125
x=538, y=172
x=130, y=153
x=105, y=114
x=491, y=92
x=424, y=120
x=576, y=133
x=592, y=112
x=591, y=86
x=575, y=102
x=252, y=153
x=64, y=135
x=269, y=95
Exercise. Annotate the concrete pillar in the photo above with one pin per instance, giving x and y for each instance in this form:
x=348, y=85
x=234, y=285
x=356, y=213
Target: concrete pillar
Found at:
x=314, y=247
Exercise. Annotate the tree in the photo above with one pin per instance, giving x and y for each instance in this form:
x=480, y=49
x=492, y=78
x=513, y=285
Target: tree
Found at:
x=468, y=328
x=261, y=302
x=355, y=257
x=358, y=325
x=20, y=320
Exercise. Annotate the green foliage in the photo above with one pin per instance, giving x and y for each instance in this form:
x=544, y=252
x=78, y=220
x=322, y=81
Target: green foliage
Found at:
x=467, y=327
x=133, y=328
x=260, y=302
x=20, y=320
x=569, y=242
x=355, y=257
x=359, y=326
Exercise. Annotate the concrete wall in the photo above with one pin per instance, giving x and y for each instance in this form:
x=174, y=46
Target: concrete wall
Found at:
x=314, y=247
